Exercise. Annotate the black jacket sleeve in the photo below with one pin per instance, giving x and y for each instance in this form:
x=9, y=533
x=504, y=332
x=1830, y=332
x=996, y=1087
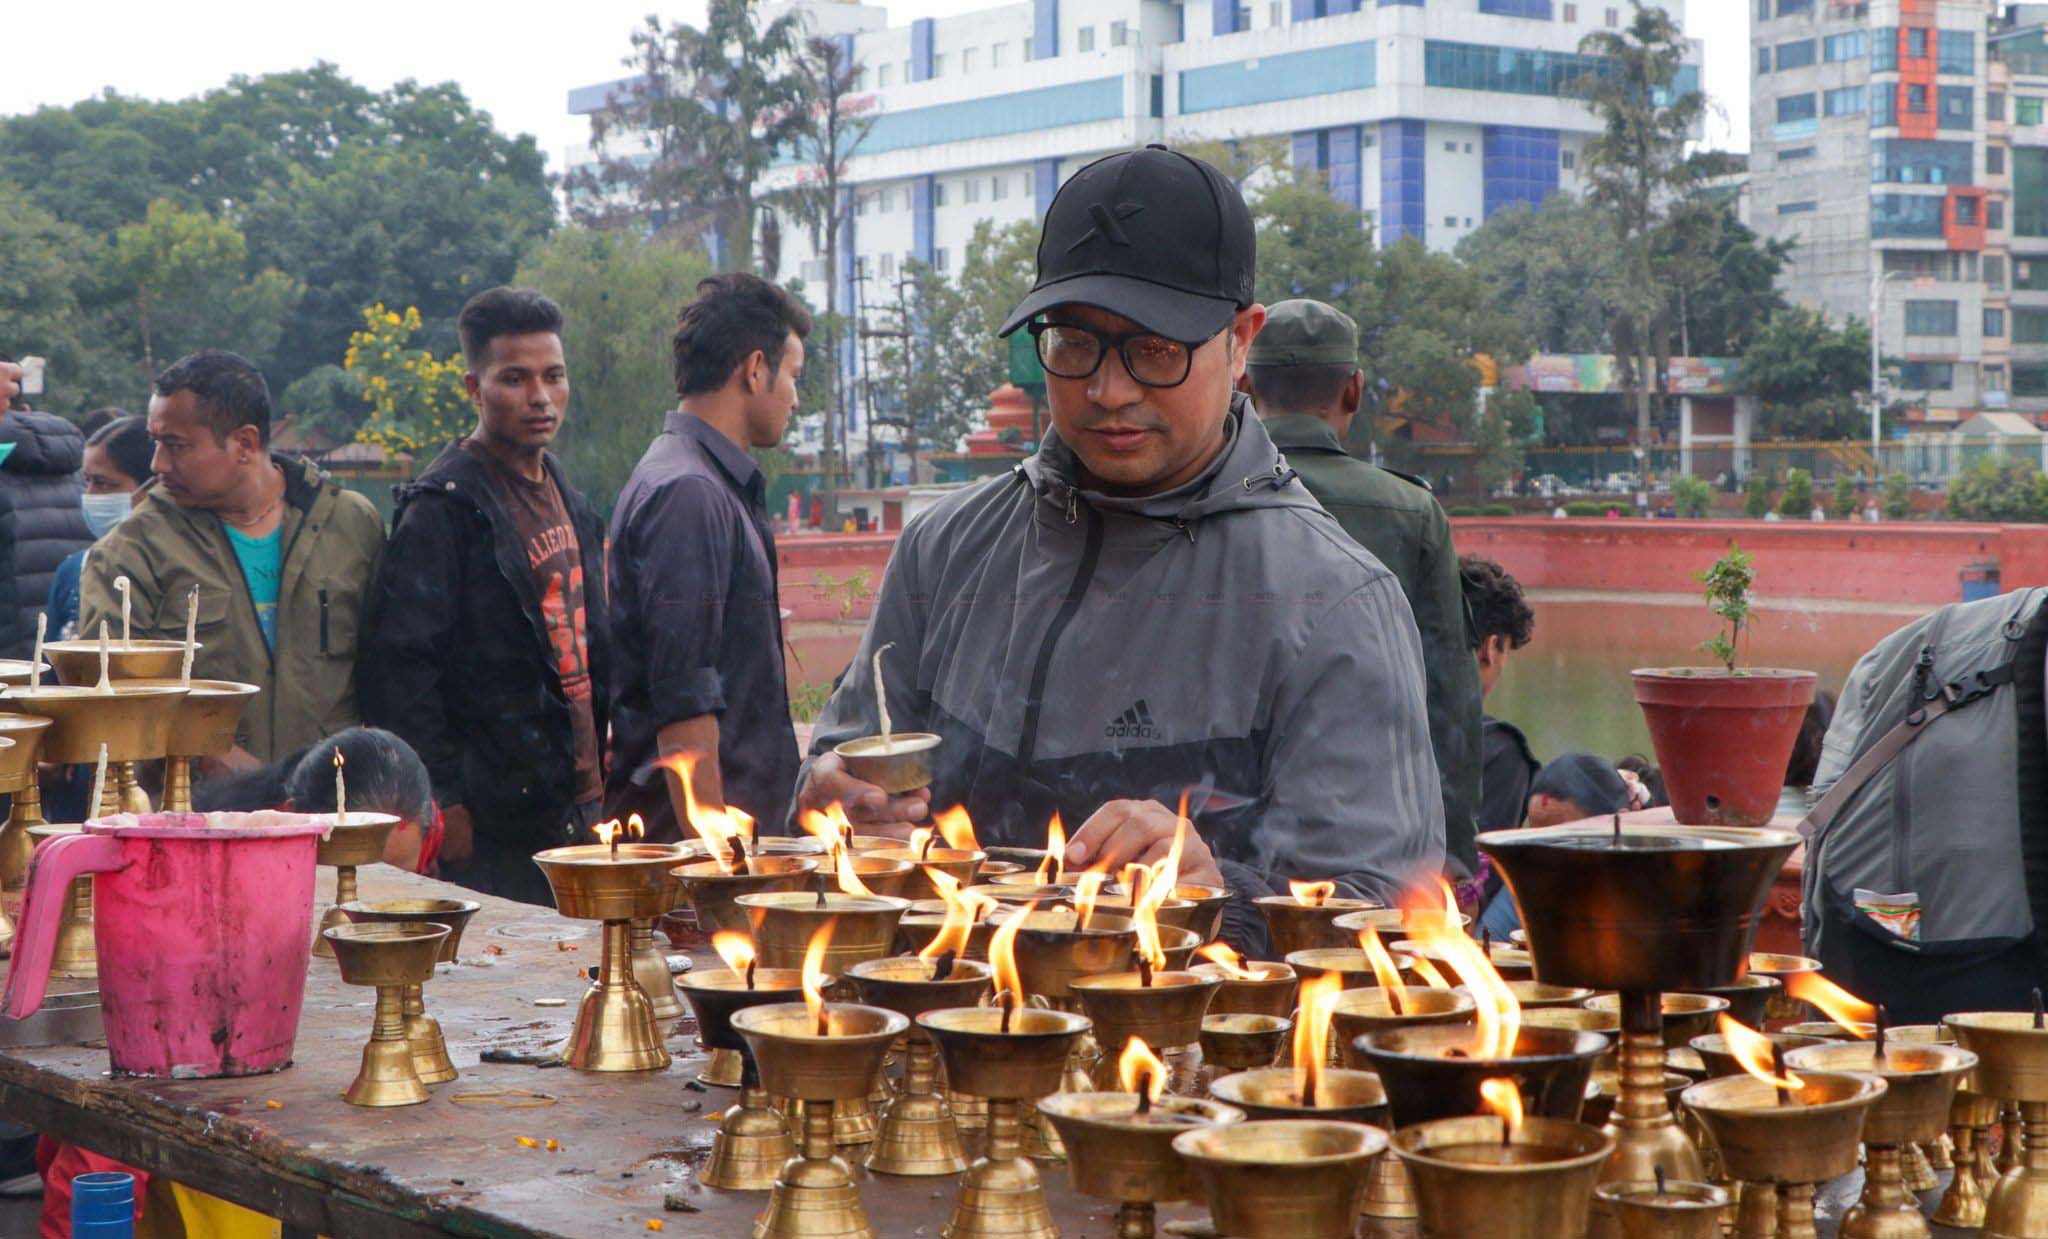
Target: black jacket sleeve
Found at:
x=10, y=595
x=414, y=616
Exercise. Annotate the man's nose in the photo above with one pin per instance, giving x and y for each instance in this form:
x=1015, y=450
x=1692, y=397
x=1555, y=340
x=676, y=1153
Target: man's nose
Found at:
x=1111, y=386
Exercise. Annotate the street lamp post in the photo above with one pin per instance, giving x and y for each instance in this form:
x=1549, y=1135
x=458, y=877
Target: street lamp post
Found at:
x=1878, y=280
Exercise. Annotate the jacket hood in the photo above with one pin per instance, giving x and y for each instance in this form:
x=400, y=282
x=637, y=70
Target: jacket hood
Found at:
x=1249, y=473
x=43, y=444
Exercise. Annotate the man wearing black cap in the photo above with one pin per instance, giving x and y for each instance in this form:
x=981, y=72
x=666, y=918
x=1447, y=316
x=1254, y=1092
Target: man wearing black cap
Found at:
x=1152, y=607
x=1303, y=378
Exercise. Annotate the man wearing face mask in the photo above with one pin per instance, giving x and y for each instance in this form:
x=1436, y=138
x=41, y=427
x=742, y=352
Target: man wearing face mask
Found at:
x=1153, y=604
x=40, y=520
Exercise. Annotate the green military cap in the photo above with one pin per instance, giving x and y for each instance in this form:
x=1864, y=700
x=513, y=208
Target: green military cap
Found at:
x=1305, y=333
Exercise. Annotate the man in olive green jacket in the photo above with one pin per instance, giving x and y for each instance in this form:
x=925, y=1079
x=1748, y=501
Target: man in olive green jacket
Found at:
x=1304, y=379
x=282, y=557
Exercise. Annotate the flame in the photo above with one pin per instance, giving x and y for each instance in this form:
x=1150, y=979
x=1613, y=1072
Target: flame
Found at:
x=1838, y=1004
x=956, y=828
x=1139, y=1065
x=1497, y=1013
x=734, y=947
x=1146, y=898
x=1055, y=862
x=814, y=974
x=605, y=831
x=1232, y=964
x=1311, y=894
x=1753, y=1050
x=849, y=881
x=1166, y=873
x=920, y=839
x=829, y=826
x=635, y=828
x=1002, y=953
x=1505, y=1099
x=1085, y=894
x=716, y=827
x=1383, y=969
x=963, y=909
x=1312, y=1029
x=1427, y=971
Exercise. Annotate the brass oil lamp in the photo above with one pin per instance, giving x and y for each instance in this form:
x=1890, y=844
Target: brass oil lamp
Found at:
x=614, y=883
x=1661, y=1209
x=1250, y=987
x=1920, y=1085
x=1240, y=1042
x=422, y=1031
x=1788, y=1131
x=896, y=762
x=1756, y=1203
x=918, y=1135
x=2012, y=1063
x=1684, y=1016
x=1121, y=1141
x=1357, y=1012
x=1054, y=947
x=753, y=1141
x=1969, y=1125
x=391, y=958
x=823, y=1054
x=1162, y=1009
x=1641, y=910
x=1305, y=918
x=24, y=733
x=352, y=840
x=132, y=721
x=205, y=726
x=1503, y=1176
x=1781, y=1007
x=711, y=888
x=1283, y=1178
x=142, y=663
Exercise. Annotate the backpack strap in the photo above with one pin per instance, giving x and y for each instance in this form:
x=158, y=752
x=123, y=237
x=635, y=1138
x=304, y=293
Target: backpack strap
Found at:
x=1932, y=705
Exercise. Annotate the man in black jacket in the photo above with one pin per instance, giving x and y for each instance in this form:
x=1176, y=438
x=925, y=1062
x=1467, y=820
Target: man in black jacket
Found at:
x=486, y=646
x=41, y=519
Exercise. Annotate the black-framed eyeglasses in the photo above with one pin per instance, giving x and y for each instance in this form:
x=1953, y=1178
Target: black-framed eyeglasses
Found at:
x=1070, y=352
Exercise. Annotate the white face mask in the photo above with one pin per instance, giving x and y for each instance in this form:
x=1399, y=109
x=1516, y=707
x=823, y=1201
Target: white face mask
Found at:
x=103, y=512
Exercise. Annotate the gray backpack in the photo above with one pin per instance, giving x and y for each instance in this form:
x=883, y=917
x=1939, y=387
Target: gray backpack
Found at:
x=1926, y=868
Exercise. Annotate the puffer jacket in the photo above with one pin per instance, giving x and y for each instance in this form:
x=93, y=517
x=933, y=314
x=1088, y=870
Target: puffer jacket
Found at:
x=41, y=521
x=1072, y=648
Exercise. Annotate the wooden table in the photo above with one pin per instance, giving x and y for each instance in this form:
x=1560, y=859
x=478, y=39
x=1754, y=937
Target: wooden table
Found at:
x=628, y=1142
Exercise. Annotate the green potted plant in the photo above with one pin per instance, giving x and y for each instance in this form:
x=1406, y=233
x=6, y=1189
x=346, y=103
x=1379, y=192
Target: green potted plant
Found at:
x=1723, y=734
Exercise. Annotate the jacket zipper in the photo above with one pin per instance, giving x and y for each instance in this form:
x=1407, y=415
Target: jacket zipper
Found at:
x=1084, y=575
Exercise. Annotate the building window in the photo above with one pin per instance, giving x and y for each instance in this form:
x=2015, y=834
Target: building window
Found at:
x=1787, y=8
x=1795, y=107
x=1930, y=318
x=1912, y=161
x=971, y=189
x=908, y=75
x=1955, y=52
x=1994, y=105
x=968, y=57
x=1272, y=14
x=1994, y=323
x=1568, y=160
x=1927, y=375
x=2029, y=326
x=938, y=193
x=2030, y=193
x=1956, y=107
x=1571, y=12
x=1795, y=55
x=1884, y=104
x=1916, y=43
x=1120, y=32
x=1084, y=41
x=1613, y=18
x=1916, y=97
x=1994, y=216
x=998, y=187
x=1847, y=101
x=1852, y=45
x=886, y=76
x=1244, y=17
x=1884, y=49
x=2030, y=380
x=1806, y=207
x=1027, y=47
x=998, y=55
x=942, y=259
x=1763, y=60
x=2026, y=109
x=1994, y=378
x=1790, y=153
x=1994, y=160
x=1450, y=221
x=860, y=204
x=1905, y=215
x=1519, y=71
x=939, y=64
x=888, y=265
x=1763, y=10
x=1994, y=271
x=1966, y=212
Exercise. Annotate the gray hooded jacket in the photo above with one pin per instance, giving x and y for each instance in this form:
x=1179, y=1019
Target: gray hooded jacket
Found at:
x=1073, y=648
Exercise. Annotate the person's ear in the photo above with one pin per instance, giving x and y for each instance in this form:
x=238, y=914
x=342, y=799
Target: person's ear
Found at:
x=248, y=444
x=759, y=376
x=1353, y=394
x=473, y=383
x=1242, y=330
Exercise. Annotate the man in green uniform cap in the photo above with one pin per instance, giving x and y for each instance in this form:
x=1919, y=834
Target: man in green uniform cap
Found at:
x=1303, y=378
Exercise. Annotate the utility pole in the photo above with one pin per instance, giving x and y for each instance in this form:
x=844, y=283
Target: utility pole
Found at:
x=867, y=373
x=904, y=282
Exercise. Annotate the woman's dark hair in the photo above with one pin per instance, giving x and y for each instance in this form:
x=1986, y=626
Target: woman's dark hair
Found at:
x=504, y=311
x=1813, y=729
x=1495, y=598
x=127, y=443
x=732, y=317
x=91, y=422
x=383, y=774
x=1588, y=781
x=1653, y=778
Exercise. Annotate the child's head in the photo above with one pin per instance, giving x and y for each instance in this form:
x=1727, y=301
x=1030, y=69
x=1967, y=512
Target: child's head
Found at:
x=1577, y=785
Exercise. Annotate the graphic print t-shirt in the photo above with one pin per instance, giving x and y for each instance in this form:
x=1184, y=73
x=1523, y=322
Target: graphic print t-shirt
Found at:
x=262, y=561
x=548, y=543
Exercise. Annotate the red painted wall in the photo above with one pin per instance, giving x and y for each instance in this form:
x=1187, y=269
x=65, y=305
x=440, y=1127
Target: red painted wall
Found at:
x=838, y=555
x=1920, y=563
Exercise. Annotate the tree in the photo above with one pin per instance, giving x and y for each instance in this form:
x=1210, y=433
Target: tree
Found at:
x=1499, y=433
x=1691, y=496
x=188, y=279
x=1797, y=499
x=1555, y=268
x=1898, y=496
x=47, y=277
x=417, y=400
x=1244, y=160
x=926, y=372
x=695, y=129
x=619, y=293
x=999, y=270
x=1811, y=375
x=1719, y=279
x=1635, y=168
x=835, y=122
x=1756, y=494
x=1843, y=504
x=1999, y=488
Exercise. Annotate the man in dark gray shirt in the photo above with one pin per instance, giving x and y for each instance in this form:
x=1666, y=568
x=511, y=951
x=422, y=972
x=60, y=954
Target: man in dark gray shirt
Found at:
x=695, y=611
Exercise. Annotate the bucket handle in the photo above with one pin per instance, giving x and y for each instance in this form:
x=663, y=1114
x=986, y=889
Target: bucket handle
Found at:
x=50, y=873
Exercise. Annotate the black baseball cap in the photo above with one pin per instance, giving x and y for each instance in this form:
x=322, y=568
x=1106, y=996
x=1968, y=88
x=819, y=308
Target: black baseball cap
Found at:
x=1155, y=235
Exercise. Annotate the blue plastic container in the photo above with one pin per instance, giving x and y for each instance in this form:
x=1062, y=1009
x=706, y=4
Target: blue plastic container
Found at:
x=103, y=1206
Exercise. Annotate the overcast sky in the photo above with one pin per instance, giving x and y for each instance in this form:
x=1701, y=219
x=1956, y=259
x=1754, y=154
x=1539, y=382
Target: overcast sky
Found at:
x=517, y=58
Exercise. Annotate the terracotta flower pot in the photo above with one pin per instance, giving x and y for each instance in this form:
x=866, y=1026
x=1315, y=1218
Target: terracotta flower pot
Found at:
x=1723, y=739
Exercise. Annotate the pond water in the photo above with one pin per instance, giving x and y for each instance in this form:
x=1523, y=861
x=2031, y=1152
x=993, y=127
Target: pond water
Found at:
x=1568, y=689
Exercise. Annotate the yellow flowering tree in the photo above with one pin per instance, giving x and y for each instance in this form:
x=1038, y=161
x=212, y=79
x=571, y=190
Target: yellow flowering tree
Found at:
x=416, y=399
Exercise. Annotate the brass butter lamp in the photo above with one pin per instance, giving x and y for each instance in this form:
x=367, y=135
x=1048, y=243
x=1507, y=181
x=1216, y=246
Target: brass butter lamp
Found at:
x=391, y=958
x=1791, y=1141
x=710, y=888
x=1478, y=1175
x=1283, y=1178
x=18, y=780
x=2012, y=1063
x=1121, y=1146
x=422, y=1031
x=918, y=1135
x=615, y=1028
x=754, y=1139
x=353, y=840
x=205, y=726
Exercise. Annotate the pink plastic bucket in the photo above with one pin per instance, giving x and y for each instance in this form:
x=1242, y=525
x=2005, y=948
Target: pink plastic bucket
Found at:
x=203, y=925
